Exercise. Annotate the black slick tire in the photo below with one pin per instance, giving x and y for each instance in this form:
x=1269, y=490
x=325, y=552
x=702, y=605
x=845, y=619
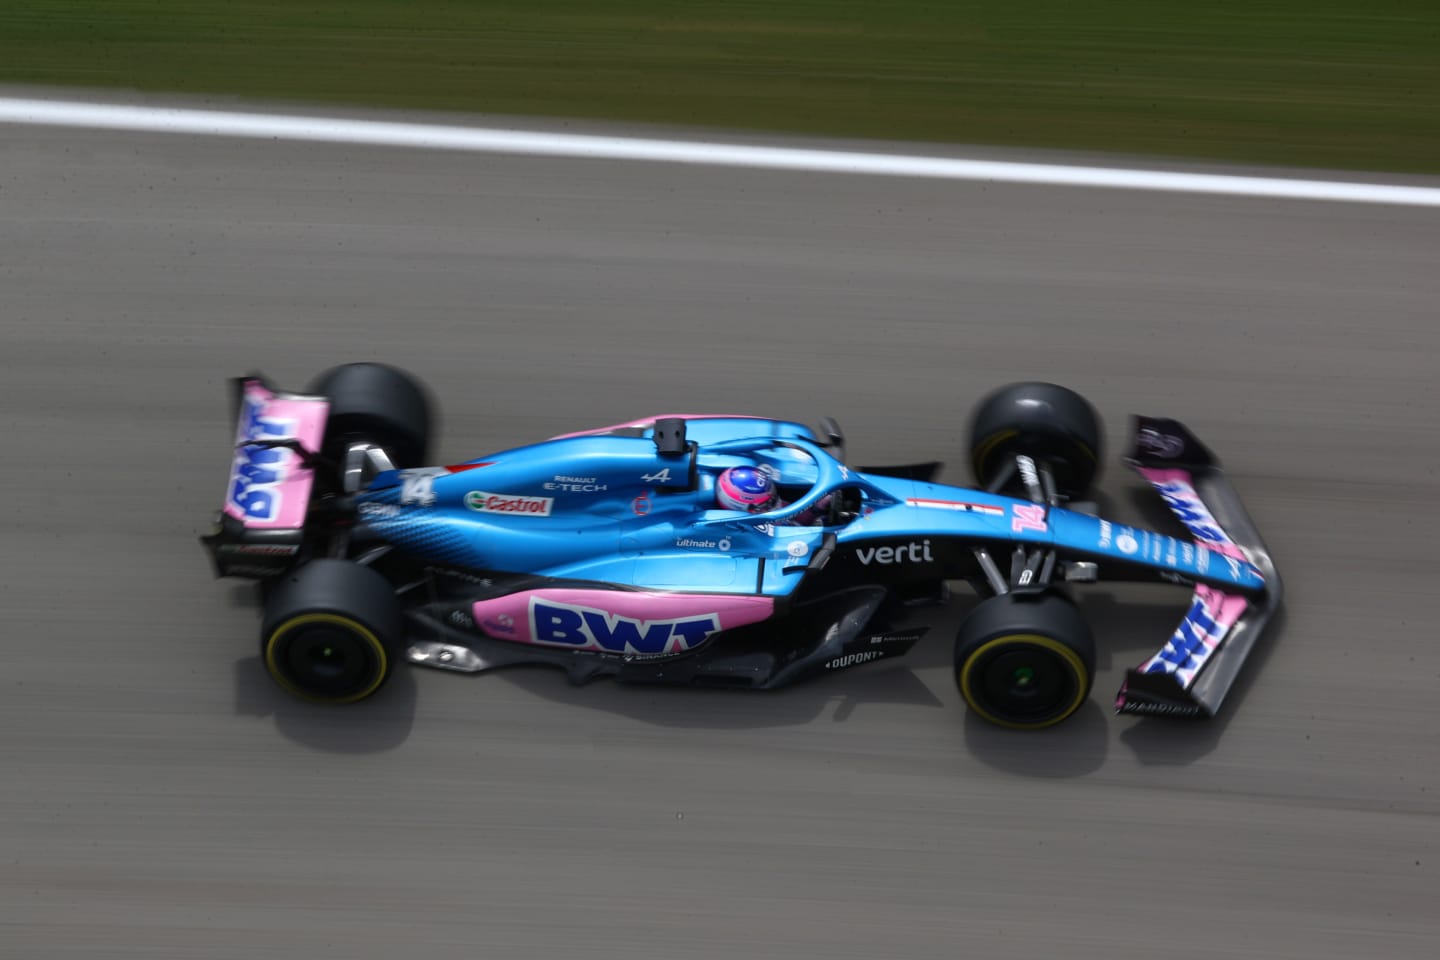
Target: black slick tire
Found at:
x=332, y=632
x=1044, y=421
x=379, y=404
x=1025, y=662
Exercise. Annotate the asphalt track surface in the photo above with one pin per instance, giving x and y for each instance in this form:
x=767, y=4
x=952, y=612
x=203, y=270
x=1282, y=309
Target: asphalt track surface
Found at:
x=159, y=798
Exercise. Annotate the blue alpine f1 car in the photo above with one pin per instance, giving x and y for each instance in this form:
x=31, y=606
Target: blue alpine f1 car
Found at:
x=606, y=552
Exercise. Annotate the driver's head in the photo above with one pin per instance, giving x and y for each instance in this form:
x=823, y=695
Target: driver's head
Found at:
x=745, y=488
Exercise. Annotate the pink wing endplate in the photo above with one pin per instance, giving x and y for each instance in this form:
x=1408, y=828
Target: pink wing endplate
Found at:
x=270, y=487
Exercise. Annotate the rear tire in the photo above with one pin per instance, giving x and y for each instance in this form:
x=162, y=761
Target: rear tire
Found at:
x=379, y=404
x=1044, y=421
x=1026, y=662
x=332, y=632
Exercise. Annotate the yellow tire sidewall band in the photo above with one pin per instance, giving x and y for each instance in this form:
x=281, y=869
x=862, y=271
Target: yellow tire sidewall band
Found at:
x=987, y=446
x=304, y=619
x=1082, y=676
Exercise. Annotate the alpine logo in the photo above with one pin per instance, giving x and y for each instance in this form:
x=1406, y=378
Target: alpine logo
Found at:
x=482, y=502
x=259, y=472
x=587, y=628
x=908, y=553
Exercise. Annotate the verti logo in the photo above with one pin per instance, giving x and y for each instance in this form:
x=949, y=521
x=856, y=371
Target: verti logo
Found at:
x=909, y=553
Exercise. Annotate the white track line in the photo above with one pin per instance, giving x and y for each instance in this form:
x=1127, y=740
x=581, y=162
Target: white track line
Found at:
x=481, y=140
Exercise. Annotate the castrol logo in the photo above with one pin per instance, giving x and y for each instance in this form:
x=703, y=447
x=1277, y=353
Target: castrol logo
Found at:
x=482, y=502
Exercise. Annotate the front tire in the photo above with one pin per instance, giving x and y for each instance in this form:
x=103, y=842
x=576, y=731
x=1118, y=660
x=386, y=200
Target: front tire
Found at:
x=1025, y=662
x=332, y=632
x=1044, y=421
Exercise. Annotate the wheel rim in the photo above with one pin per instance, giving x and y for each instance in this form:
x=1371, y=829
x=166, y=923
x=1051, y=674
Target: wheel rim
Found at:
x=326, y=658
x=1023, y=682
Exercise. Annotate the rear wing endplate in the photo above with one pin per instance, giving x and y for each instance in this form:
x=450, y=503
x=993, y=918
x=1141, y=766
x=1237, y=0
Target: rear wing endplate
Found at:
x=260, y=524
x=1192, y=673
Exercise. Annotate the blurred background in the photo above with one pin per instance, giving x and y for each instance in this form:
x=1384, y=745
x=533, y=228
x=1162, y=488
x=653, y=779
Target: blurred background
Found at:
x=161, y=798
x=1324, y=83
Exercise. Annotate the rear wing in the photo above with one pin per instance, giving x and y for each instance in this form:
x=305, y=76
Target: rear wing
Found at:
x=261, y=523
x=1192, y=673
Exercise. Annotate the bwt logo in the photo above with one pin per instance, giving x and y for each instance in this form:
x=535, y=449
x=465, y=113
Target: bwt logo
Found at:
x=1191, y=511
x=567, y=625
x=1191, y=644
x=255, y=482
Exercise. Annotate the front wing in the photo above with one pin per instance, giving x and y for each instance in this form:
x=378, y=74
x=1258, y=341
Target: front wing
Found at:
x=1198, y=665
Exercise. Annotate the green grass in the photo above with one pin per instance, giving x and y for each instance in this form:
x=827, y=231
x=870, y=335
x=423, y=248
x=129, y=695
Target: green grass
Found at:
x=1331, y=83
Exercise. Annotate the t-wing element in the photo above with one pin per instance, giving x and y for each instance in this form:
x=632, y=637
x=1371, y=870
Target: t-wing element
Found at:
x=1198, y=665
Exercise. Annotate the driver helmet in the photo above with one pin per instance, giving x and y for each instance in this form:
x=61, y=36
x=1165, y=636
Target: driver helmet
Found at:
x=745, y=488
